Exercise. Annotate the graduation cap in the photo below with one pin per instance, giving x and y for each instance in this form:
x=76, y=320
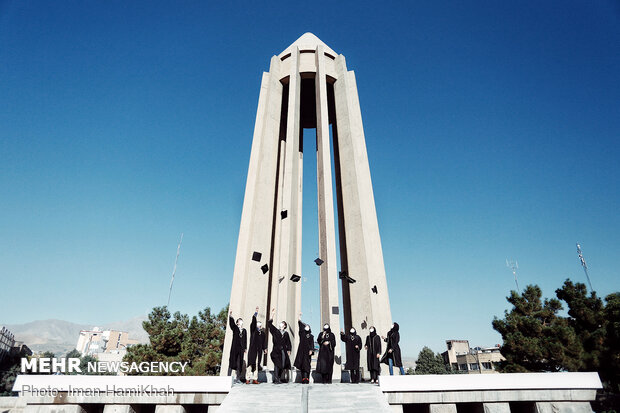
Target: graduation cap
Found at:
x=283, y=214
x=344, y=276
x=256, y=256
x=374, y=289
x=319, y=261
x=295, y=278
x=264, y=268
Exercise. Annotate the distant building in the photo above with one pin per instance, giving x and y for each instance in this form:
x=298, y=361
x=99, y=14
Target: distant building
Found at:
x=7, y=340
x=11, y=348
x=95, y=342
x=471, y=360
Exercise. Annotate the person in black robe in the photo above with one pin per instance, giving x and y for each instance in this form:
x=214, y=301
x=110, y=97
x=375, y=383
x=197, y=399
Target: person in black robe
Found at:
x=304, y=351
x=258, y=346
x=353, y=347
x=238, y=348
x=281, y=348
x=373, y=354
x=325, y=362
x=392, y=354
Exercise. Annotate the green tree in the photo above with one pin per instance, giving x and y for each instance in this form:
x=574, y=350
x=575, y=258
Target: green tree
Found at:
x=611, y=358
x=587, y=318
x=431, y=363
x=197, y=341
x=535, y=337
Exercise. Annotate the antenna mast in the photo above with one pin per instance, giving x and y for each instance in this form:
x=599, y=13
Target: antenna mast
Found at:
x=513, y=265
x=174, y=270
x=584, y=265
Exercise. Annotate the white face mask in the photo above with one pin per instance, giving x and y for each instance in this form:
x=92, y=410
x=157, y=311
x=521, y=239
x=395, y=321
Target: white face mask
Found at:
x=392, y=325
x=259, y=325
x=282, y=327
x=240, y=323
x=326, y=326
x=372, y=330
x=307, y=328
x=352, y=331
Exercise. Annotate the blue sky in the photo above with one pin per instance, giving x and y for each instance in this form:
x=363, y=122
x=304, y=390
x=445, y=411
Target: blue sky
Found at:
x=492, y=132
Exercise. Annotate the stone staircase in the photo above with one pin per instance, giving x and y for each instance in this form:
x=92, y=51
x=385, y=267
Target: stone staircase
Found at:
x=301, y=398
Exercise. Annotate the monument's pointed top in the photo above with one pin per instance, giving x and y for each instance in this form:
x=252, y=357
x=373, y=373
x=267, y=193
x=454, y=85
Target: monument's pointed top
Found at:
x=308, y=41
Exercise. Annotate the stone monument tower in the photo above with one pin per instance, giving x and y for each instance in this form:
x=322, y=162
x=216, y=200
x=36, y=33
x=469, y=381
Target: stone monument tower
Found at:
x=308, y=86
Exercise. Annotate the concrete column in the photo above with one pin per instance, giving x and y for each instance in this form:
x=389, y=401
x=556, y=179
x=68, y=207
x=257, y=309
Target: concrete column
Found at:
x=275, y=271
x=328, y=271
x=249, y=286
x=442, y=408
x=118, y=408
x=54, y=408
x=170, y=408
x=286, y=300
x=563, y=407
x=363, y=256
x=496, y=407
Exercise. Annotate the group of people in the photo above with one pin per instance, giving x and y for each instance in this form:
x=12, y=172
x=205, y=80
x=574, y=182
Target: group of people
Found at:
x=326, y=339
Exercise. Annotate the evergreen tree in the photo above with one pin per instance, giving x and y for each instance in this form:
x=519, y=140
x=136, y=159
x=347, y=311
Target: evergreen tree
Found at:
x=431, y=363
x=587, y=318
x=535, y=337
x=198, y=341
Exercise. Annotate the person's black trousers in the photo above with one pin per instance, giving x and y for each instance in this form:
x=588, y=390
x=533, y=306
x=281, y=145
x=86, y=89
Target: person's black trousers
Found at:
x=374, y=375
x=355, y=376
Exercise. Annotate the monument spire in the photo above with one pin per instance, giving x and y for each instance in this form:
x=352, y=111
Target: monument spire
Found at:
x=309, y=86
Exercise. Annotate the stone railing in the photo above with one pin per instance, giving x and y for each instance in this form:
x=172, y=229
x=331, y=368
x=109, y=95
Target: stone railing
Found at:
x=497, y=393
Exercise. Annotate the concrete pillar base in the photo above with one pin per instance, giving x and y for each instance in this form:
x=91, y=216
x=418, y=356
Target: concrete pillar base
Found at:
x=442, y=408
x=563, y=407
x=119, y=408
x=496, y=407
x=169, y=408
x=54, y=408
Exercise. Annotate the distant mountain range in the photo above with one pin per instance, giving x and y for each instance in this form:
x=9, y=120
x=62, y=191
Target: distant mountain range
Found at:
x=60, y=337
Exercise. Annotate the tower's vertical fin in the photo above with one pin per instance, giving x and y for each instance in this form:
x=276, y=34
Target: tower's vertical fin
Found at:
x=290, y=227
x=363, y=243
x=250, y=285
x=327, y=232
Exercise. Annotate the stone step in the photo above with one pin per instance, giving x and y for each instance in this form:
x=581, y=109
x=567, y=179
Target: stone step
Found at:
x=296, y=398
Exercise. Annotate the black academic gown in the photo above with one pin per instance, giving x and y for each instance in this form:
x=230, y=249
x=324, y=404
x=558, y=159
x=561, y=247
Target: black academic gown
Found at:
x=392, y=339
x=353, y=354
x=325, y=362
x=239, y=343
x=258, y=343
x=280, y=342
x=306, y=345
x=373, y=342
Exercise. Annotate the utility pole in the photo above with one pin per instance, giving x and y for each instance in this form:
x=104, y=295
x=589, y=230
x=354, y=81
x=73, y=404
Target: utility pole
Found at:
x=584, y=265
x=513, y=265
x=174, y=270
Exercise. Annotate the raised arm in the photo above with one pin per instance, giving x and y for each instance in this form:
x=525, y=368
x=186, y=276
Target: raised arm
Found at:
x=272, y=329
x=343, y=337
x=253, y=324
x=231, y=322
